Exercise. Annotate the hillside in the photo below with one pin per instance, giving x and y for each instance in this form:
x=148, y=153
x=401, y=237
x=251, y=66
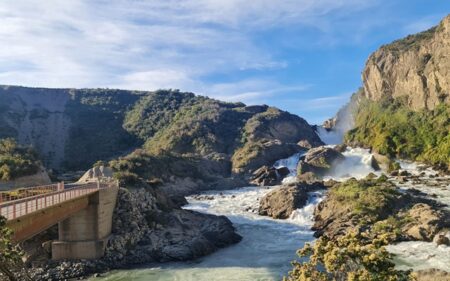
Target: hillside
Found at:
x=72, y=129
x=404, y=108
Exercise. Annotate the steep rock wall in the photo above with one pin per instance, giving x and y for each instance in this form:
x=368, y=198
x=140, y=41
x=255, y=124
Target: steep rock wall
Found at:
x=416, y=68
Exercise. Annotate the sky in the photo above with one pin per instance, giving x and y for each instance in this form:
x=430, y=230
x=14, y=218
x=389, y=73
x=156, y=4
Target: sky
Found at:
x=303, y=56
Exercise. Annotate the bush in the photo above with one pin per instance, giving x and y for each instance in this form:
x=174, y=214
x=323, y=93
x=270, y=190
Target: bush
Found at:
x=16, y=160
x=353, y=257
x=10, y=254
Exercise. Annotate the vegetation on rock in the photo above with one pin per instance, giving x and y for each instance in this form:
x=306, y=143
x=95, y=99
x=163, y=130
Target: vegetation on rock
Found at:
x=368, y=199
x=353, y=257
x=205, y=127
x=355, y=222
x=391, y=128
x=156, y=111
x=16, y=160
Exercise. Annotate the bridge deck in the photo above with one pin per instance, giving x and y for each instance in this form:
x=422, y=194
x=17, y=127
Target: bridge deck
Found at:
x=28, y=202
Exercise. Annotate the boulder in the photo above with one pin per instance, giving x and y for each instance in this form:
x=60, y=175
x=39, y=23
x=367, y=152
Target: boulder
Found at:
x=282, y=201
x=426, y=222
x=442, y=238
x=340, y=147
x=382, y=162
x=431, y=274
x=308, y=177
x=374, y=163
x=319, y=160
x=305, y=144
x=97, y=173
x=266, y=176
x=371, y=176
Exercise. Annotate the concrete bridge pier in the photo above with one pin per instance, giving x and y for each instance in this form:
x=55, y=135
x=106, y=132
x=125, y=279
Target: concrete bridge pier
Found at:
x=84, y=235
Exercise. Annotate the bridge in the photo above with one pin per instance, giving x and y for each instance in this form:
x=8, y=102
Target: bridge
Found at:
x=83, y=213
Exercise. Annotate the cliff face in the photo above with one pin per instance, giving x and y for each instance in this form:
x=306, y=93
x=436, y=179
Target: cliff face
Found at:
x=69, y=128
x=37, y=118
x=416, y=67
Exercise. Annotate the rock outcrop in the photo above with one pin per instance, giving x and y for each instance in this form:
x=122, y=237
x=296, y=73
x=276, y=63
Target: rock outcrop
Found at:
x=416, y=68
x=282, y=201
x=425, y=222
x=270, y=136
x=319, y=161
x=149, y=227
x=350, y=205
x=267, y=176
x=97, y=174
x=275, y=124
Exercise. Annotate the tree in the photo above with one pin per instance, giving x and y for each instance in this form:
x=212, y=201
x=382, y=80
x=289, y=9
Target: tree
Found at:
x=10, y=253
x=353, y=257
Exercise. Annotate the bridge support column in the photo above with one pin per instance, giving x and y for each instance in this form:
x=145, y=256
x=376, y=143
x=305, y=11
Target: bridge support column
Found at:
x=85, y=234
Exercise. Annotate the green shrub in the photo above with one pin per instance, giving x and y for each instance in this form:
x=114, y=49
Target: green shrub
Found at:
x=353, y=257
x=10, y=255
x=16, y=160
x=391, y=128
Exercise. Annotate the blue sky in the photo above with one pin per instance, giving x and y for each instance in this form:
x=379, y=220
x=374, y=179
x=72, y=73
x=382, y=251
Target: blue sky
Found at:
x=304, y=56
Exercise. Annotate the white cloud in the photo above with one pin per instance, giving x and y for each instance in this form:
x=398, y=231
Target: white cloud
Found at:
x=148, y=44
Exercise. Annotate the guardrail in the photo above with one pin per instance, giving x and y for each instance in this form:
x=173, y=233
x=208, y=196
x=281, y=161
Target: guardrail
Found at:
x=13, y=206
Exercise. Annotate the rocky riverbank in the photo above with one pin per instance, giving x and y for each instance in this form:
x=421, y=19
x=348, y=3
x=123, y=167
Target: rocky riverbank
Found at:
x=148, y=227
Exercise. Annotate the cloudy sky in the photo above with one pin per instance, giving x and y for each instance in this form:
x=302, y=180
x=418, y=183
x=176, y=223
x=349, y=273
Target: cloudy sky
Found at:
x=304, y=56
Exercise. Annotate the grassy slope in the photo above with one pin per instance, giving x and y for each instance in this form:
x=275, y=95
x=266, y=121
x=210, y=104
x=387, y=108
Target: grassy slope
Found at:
x=390, y=128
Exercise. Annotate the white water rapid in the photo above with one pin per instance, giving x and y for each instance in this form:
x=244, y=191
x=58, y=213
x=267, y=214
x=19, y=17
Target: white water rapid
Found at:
x=424, y=255
x=264, y=253
x=268, y=246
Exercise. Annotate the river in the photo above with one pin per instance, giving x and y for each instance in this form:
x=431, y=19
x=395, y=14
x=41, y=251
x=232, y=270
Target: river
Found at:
x=268, y=246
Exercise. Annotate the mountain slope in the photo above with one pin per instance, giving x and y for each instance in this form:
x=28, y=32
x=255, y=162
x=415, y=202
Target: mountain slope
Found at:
x=74, y=128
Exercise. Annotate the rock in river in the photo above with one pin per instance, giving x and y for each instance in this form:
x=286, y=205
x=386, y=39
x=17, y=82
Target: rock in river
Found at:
x=282, y=201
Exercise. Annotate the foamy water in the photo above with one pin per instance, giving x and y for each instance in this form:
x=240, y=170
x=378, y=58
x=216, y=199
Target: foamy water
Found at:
x=356, y=164
x=423, y=255
x=264, y=253
x=291, y=164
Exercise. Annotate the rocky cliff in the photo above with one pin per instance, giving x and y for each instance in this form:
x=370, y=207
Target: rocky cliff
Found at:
x=416, y=68
x=71, y=129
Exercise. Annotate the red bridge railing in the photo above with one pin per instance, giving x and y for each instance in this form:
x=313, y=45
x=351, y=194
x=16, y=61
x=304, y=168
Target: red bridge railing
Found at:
x=20, y=202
